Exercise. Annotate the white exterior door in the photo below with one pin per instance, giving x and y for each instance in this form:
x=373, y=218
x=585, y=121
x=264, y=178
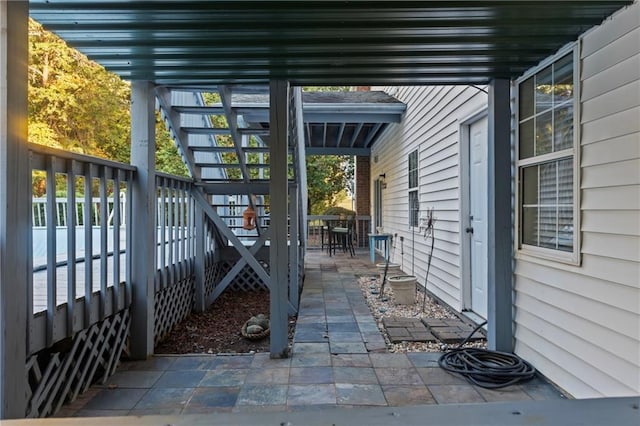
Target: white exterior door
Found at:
x=477, y=229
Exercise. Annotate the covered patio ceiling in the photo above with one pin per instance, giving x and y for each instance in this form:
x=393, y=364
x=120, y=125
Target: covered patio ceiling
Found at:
x=235, y=48
x=367, y=42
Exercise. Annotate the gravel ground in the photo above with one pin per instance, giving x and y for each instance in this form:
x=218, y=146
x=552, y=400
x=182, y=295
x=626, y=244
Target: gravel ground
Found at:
x=218, y=329
x=386, y=308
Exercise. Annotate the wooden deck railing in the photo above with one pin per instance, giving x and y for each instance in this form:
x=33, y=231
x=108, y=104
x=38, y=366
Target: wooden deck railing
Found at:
x=87, y=268
x=80, y=291
x=316, y=224
x=80, y=335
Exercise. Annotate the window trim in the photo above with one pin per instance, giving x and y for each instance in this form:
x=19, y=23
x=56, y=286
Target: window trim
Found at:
x=530, y=251
x=409, y=170
x=413, y=189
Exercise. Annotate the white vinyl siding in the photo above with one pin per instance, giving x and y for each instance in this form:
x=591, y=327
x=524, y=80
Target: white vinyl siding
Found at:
x=580, y=325
x=431, y=126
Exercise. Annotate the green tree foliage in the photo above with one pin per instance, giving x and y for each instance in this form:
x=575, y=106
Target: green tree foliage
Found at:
x=328, y=177
x=77, y=105
x=74, y=103
x=168, y=159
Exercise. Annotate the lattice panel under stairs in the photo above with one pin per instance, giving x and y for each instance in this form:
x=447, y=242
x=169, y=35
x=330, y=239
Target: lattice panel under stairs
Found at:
x=212, y=276
x=59, y=374
x=172, y=305
x=246, y=280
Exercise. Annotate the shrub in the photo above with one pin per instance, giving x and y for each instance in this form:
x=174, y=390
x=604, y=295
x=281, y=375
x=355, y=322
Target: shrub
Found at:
x=337, y=211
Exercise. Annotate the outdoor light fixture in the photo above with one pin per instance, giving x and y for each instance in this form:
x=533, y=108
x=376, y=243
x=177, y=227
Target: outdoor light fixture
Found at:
x=382, y=177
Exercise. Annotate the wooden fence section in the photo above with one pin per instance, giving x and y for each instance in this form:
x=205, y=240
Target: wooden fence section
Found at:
x=81, y=334
x=80, y=296
x=87, y=178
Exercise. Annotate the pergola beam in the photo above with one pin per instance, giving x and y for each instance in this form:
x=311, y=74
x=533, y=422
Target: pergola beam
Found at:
x=356, y=132
x=372, y=134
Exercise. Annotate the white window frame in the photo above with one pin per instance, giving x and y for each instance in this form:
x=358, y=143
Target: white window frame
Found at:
x=413, y=189
x=524, y=250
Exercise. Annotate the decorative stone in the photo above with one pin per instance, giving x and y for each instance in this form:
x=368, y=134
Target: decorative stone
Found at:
x=254, y=329
x=260, y=320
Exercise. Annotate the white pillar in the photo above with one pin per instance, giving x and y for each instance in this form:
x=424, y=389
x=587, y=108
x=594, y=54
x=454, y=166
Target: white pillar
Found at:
x=500, y=222
x=279, y=198
x=15, y=215
x=143, y=231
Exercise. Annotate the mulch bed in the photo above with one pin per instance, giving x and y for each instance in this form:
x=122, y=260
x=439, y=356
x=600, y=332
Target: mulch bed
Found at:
x=218, y=330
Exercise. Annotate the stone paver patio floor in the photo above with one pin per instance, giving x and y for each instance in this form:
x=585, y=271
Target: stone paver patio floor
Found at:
x=339, y=359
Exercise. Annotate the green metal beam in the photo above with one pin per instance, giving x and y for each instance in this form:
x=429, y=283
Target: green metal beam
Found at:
x=321, y=42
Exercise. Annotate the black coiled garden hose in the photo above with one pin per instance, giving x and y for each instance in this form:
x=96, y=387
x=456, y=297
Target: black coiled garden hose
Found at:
x=485, y=368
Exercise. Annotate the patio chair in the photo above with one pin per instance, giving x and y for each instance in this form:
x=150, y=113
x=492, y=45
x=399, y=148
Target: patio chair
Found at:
x=342, y=232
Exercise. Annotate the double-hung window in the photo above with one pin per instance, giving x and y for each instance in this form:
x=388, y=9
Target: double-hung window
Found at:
x=414, y=203
x=547, y=166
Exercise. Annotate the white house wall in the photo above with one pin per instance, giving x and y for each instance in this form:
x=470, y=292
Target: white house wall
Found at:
x=432, y=126
x=580, y=325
